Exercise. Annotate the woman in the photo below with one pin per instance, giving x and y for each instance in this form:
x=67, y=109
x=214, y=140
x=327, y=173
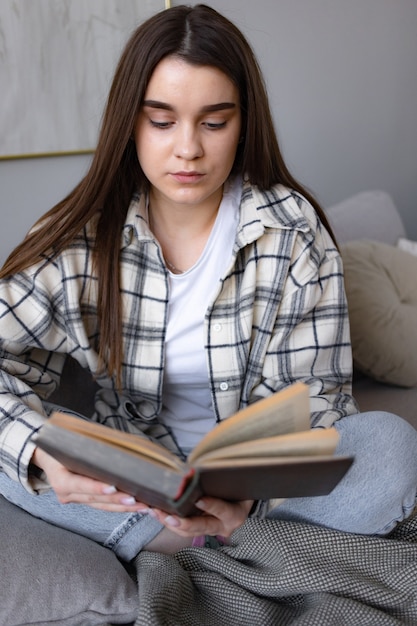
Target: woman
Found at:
x=192, y=275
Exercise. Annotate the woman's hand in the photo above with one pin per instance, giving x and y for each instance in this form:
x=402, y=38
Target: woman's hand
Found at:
x=70, y=487
x=219, y=518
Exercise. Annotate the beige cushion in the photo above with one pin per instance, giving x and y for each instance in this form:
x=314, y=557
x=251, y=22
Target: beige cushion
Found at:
x=381, y=288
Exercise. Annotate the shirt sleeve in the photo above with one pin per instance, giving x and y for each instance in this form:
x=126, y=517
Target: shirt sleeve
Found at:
x=32, y=347
x=311, y=338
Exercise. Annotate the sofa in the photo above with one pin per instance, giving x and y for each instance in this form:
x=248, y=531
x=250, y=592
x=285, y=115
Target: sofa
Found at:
x=52, y=576
x=380, y=265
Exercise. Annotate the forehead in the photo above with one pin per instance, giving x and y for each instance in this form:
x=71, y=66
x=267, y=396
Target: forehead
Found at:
x=174, y=78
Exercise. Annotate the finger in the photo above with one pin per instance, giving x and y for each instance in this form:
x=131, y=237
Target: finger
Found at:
x=72, y=487
x=219, y=518
x=67, y=482
x=231, y=515
x=193, y=527
x=117, y=498
x=117, y=508
x=227, y=511
x=185, y=527
x=119, y=502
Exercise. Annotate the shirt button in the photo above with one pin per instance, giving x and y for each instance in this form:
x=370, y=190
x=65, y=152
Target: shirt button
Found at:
x=224, y=386
x=217, y=327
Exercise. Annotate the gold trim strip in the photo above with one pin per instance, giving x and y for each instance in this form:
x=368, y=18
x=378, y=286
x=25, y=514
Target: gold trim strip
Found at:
x=42, y=155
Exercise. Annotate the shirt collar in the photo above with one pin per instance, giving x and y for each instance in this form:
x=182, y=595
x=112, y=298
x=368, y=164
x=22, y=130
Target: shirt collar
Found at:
x=136, y=224
x=278, y=208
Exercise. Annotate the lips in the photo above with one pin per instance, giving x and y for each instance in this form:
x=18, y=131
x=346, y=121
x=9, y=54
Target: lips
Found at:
x=187, y=177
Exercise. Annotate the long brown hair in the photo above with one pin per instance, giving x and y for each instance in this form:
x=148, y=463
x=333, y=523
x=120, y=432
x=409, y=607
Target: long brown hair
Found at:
x=200, y=36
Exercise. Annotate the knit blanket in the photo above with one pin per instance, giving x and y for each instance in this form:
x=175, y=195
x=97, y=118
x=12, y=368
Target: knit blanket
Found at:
x=280, y=573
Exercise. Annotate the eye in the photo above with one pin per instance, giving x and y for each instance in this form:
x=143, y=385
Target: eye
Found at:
x=161, y=125
x=215, y=125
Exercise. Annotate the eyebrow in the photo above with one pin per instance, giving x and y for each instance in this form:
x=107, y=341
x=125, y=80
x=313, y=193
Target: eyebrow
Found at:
x=208, y=108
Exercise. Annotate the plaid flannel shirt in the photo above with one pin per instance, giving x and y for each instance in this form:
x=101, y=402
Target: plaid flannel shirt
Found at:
x=279, y=316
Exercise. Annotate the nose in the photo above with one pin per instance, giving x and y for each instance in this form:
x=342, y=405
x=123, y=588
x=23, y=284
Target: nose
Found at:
x=187, y=143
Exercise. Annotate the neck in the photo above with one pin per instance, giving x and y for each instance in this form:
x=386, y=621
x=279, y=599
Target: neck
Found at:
x=177, y=217
x=182, y=232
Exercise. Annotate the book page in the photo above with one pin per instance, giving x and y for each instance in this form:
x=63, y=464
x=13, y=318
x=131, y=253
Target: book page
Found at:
x=287, y=411
x=311, y=442
x=134, y=443
x=267, y=461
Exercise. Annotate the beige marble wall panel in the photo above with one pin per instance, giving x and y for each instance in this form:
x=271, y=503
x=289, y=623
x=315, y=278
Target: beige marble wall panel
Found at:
x=57, y=59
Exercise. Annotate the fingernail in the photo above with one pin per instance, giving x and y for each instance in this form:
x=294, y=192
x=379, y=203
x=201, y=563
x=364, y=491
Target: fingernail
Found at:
x=109, y=490
x=172, y=521
x=149, y=512
x=200, y=504
x=128, y=501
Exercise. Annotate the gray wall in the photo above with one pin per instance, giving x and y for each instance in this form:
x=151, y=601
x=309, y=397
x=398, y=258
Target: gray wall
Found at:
x=342, y=79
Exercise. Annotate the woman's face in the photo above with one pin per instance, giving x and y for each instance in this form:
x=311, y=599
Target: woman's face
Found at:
x=187, y=133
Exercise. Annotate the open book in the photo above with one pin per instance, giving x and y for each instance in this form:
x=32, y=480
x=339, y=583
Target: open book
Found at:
x=266, y=450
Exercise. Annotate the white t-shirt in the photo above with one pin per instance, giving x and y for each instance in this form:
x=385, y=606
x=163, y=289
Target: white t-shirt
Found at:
x=187, y=405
